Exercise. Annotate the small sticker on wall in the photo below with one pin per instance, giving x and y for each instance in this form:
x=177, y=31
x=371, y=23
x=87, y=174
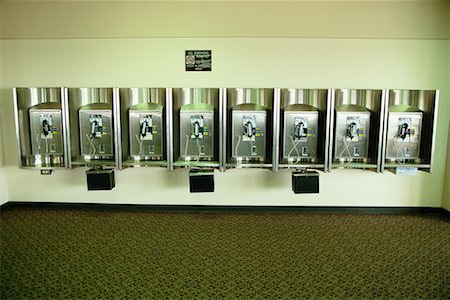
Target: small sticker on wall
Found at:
x=198, y=60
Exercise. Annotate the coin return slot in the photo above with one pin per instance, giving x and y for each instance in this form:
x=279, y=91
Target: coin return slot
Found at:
x=407, y=151
x=254, y=152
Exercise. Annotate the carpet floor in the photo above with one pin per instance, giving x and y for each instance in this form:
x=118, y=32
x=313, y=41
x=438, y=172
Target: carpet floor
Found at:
x=118, y=253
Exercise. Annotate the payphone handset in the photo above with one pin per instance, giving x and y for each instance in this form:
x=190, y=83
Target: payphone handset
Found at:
x=300, y=129
x=146, y=128
x=46, y=126
x=96, y=122
x=405, y=131
x=353, y=131
x=249, y=128
x=197, y=127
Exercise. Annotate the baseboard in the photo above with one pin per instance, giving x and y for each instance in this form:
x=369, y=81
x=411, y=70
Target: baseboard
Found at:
x=234, y=209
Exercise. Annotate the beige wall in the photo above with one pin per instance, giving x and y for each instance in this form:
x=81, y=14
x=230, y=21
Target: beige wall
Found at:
x=446, y=195
x=312, y=19
x=132, y=45
x=3, y=113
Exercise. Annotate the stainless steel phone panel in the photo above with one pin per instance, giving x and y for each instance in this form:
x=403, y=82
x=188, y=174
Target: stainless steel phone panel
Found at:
x=352, y=135
x=300, y=135
x=146, y=139
x=46, y=132
x=196, y=135
x=249, y=135
x=96, y=134
x=403, y=136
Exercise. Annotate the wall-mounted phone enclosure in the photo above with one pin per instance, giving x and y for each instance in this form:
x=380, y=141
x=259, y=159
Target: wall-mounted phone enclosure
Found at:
x=96, y=132
x=196, y=127
x=91, y=121
x=357, y=129
x=46, y=130
x=249, y=135
x=196, y=134
x=142, y=127
x=403, y=136
x=410, y=122
x=352, y=134
x=304, y=130
x=249, y=128
x=40, y=128
x=300, y=136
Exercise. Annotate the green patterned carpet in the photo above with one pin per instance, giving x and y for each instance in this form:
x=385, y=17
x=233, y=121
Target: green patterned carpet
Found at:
x=129, y=253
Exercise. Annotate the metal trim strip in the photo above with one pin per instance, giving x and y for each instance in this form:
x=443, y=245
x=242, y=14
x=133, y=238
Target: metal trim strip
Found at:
x=169, y=128
x=16, y=120
x=276, y=129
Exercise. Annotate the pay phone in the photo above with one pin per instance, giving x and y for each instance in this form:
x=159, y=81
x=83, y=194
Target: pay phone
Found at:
x=300, y=135
x=46, y=131
x=146, y=140
x=404, y=130
x=196, y=134
x=96, y=135
x=352, y=135
x=249, y=135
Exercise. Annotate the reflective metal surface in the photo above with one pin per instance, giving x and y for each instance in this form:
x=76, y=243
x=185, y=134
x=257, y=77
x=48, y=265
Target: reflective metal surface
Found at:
x=300, y=136
x=91, y=121
x=196, y=135
x=46, y=131
x=169, y=128
x=117, y=129
x=276, y=130
x=96, y=132
x=185, y=96
x=357, y=129
x=146, y=134
x=249, y=135
x=418, y=109
x=300, y=108
x=238, y=96
x=414, y=98
x=434, y=117
x=352, y=134
x=251, y=121
x=134, y=96
x=84, y=96
x=28, y=97
x=39, y=128
x=142, y=126
x=222, y=128
x=371, y=99
x=311, y=97
x=403, y=136
x=196, y=128
x=328, y=130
